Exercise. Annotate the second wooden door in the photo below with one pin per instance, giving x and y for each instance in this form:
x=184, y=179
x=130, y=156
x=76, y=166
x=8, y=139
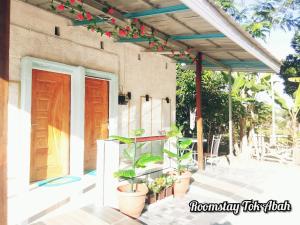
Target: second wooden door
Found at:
x=96, y=118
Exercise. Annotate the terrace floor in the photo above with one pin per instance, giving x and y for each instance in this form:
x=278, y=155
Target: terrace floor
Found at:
x=244, y=179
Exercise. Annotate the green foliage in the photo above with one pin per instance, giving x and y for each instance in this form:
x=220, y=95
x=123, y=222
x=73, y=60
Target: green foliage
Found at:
x=131, y=153
x=147, y=158
x=260, y=17
x=182, y=151
x=296, y=42
x=214, y=101
x=125, y=174
x=291, y=67
x=158, y=184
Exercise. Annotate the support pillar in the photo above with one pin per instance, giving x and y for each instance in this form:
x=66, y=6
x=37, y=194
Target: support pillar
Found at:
x=230, y=115
x=4, y=78
x=199, y=119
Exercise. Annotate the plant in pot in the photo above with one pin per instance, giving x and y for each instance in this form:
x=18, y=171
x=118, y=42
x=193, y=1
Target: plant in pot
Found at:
x=161, y=184
x=156, y=189
x=132, y=196
x=169, y=185
x=182, y=153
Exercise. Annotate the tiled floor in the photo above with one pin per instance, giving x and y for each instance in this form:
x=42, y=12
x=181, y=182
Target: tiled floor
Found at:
x=242, y=180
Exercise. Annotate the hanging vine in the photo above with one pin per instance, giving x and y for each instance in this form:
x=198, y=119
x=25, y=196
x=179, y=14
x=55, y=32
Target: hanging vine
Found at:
x=136, y=29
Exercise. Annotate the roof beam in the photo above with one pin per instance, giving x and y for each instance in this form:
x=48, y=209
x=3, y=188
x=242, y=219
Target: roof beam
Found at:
x=158, y=11
x=88, y=22
x=197, y=36
x=135, y=40
x=247, y=63
x=179, y=37
x=226, y=25
x=121, y=20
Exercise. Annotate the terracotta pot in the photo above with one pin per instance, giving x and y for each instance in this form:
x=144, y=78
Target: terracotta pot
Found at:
x=161, y=195
x=182, y=184
x=132, y=203
x=169, y=191
x=151, y=198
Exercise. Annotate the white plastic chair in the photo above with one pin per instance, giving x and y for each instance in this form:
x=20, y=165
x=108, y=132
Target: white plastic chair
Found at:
x=213, y=155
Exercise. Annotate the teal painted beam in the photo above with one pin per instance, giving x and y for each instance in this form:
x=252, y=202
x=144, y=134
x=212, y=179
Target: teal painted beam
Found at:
x=88, y=22
x=234, y=64
x=154, y=12
x=135, y=40
x=244, y=64
x=197, y=36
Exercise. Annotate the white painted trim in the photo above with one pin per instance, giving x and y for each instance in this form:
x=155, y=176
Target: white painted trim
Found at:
x=113, y=97
x=209, y=12
x=77, y=111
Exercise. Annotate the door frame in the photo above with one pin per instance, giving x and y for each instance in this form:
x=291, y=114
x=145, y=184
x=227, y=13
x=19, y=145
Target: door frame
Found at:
x=78, y=74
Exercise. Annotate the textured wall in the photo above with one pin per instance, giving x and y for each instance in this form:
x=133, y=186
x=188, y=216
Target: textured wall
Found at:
x=32, y=34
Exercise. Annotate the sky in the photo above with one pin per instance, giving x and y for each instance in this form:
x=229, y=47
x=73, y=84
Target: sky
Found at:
x=279, y=43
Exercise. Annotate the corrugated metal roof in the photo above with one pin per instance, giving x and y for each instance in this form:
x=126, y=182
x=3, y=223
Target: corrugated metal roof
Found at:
x=184, y=29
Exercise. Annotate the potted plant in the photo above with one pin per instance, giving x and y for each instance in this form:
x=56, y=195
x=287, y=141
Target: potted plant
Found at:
x=152, y=194
x=169, y=185
x=161, y=184
x=156, y=189
x=183, y=176
x=132, y=196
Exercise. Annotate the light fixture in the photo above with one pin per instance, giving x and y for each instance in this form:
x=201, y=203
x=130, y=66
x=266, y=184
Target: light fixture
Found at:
x=129, y=95
x=124, y=98
x=147, y=98
x=167, y=100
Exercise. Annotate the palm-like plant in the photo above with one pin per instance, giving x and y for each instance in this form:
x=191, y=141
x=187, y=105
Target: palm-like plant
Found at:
x=292, y=110
x=131, y=154
x=182, y=153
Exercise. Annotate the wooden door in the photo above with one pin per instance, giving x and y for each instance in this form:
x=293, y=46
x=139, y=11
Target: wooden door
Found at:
x=50, y=125
x=96, y=118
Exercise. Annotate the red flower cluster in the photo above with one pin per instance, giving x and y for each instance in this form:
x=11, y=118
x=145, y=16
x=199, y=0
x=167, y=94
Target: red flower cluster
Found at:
x=160, y=48
x=142, y=30
x=151, y=44
x=110, y=11
x=80, y=16
x=108, y=34
x=135, y=35
x=89, y=16
x=60, y=7
x=122, y=33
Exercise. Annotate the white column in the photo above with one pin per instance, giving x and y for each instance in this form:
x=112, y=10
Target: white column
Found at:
x=230, y=115
x=77, y=122
x=273, y=138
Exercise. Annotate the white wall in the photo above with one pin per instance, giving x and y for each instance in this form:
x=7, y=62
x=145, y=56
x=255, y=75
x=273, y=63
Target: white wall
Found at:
x=32, y=34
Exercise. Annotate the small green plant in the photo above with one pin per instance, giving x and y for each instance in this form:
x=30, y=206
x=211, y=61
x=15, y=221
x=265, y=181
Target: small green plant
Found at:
x=170, y=180
x=182, y=151
x=131, y=153
x=157, y=185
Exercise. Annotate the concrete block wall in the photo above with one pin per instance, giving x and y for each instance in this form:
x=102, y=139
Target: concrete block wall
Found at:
x=32, y=34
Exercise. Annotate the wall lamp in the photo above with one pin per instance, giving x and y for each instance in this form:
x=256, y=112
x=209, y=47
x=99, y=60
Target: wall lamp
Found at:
x=147, y=98
x=124, y=98
x=167, y=100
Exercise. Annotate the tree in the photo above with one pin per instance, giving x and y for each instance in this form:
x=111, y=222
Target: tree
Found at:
x=263, y=16
x=214, y=102
x=248, y=111
x=292, y=111
x=291, y=66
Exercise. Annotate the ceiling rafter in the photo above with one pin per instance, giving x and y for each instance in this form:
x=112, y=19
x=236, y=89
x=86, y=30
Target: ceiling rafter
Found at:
x=120, y=20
